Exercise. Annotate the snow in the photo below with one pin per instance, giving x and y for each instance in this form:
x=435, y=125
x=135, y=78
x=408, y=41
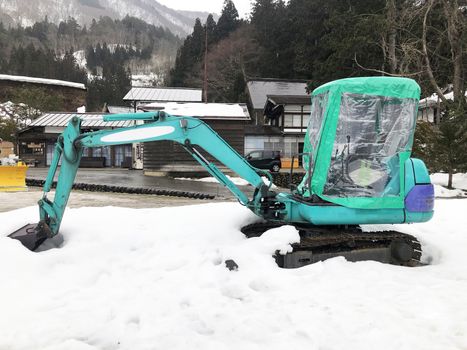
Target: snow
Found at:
x=8, y=161
x=443, y=192
x=80, y=57
x=434, y=98
x=236, y=180
x=20, y=113
x=202, y=110
x=155, y=279
x=42, y=81
x=459, y=180
x=145, y=80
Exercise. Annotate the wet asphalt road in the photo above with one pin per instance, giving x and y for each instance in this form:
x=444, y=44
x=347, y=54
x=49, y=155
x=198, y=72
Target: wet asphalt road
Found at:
x=136, y=178
x=16, y=200
x=119, y=177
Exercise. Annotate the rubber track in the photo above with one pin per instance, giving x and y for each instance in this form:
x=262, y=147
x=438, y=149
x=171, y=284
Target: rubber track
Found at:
x=124, y=189
x=335, y=239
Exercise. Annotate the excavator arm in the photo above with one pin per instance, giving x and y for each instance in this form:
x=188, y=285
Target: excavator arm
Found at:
x=191, y=133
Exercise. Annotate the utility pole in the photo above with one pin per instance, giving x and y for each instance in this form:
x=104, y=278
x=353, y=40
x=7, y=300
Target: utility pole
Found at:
x=206, y=64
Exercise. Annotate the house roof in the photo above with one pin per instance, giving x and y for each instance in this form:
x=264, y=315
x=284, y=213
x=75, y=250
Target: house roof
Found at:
x=433, y=99
x=163, y=94
x=290, y=99
x=259, y=89
x=89, y=120
x=34, y=80
x=219, y=111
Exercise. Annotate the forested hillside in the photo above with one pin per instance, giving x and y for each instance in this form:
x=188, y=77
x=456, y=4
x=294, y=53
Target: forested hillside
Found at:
x=102, y=55
x=27, y=12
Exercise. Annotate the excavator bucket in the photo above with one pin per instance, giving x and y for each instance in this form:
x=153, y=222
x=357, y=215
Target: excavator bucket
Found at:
x=13, y=178
x=32, y=235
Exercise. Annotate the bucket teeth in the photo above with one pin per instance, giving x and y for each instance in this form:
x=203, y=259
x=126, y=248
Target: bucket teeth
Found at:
x=32, y=235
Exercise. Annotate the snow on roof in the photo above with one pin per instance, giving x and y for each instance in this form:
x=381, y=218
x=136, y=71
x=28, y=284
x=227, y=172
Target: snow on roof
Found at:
x=164, y=94
x=231, y=111
x=88, y=120
x=120, y=109
x=34, y=80
x=433, y=99
x=261, y=88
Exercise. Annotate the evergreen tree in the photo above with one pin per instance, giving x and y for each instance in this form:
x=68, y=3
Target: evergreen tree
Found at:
x=272, y=25
x=211, y=28
x=228, y=21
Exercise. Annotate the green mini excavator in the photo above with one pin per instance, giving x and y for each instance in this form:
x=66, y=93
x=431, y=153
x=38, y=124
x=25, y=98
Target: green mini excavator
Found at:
x=357, y=165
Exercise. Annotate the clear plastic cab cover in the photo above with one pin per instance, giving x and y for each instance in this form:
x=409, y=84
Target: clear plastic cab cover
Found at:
x=315, y=128
x=371, y=133
x=315, y=125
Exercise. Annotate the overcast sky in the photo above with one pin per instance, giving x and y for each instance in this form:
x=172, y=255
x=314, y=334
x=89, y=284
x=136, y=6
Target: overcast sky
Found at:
x=243, y=6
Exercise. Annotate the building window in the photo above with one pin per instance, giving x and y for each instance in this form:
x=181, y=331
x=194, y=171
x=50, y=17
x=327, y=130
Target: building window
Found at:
x=122, y=152
x=292, y=120
x=269, y=143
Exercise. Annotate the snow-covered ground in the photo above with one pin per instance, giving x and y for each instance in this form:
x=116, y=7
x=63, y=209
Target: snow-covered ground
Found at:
x=236, y=180
x=459, y=180
x=155, y=279
x=145, y=80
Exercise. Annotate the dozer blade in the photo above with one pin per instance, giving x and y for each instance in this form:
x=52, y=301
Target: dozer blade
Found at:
x=32, y=235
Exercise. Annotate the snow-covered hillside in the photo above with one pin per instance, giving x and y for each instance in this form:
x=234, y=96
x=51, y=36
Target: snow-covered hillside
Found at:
x=155, y=279
x=25, y=12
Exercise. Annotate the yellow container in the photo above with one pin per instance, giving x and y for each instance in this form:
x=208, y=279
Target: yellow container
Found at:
x=287, y=163
x=13, y=178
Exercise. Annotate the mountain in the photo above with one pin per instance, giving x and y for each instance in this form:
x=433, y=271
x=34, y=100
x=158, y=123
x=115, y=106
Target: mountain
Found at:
x=27, y=12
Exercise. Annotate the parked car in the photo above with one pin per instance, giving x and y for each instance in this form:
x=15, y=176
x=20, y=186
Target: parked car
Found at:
x=270, y=160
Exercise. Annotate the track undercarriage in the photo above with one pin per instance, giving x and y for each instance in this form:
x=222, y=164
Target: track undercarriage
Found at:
x=319, y=243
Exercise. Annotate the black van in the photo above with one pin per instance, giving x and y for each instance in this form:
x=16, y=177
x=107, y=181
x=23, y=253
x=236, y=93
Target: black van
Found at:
x=270, y=160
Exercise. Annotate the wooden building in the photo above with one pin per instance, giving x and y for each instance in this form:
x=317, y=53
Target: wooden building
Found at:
x=71, y=95
x=280, y=110
x=167, y=157
x=36, y=143
x=430, y=108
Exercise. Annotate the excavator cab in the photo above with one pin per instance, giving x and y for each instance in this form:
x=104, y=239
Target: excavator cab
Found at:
x=358, y=144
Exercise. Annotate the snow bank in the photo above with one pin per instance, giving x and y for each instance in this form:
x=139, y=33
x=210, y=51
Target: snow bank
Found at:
x=155, y=279
x=459, y=180
x=443, y=192
x=236, y=180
